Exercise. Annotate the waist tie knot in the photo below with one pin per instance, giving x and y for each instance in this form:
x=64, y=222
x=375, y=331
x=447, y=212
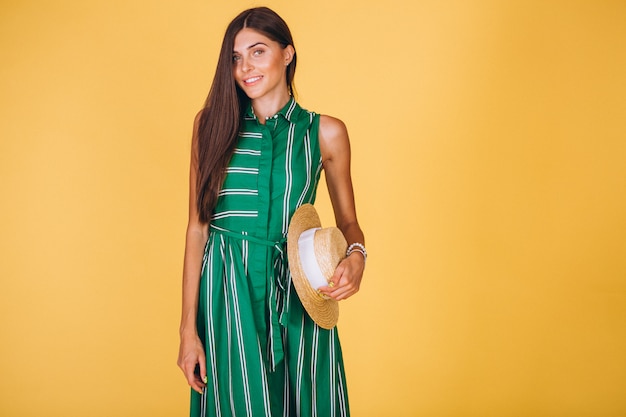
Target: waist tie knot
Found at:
x=278, y=290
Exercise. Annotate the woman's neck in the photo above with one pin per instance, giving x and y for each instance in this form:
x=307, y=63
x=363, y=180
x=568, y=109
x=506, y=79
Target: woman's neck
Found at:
x=265, y=107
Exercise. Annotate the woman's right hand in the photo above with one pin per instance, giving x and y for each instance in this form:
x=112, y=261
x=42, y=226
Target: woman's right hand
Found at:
x=191, y=355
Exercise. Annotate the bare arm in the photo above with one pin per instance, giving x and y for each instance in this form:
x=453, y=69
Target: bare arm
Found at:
x=335, y=148
x=191, y=352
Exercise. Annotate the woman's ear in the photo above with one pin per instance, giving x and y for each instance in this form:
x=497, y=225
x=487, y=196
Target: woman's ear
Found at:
x=288, y=53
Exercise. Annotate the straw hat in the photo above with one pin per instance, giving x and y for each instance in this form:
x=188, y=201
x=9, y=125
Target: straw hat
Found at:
x=314, y=253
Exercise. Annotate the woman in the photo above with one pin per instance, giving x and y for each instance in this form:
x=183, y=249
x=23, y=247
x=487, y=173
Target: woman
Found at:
x=247, y=346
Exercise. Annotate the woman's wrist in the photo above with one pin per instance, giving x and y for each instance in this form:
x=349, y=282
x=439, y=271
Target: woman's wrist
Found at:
x=357, y=247
x=188, y=331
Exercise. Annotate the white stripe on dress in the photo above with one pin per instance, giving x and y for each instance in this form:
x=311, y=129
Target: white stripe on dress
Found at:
x=331, y=370
x=252, y=152
x=238, y=191
x=288, y=177
x=286, y=400
x=245, y=250
x=289, y=111
x=234, y=213
x=342, y=395
x=254, y=135
x=266, y=389
x=314, y=352
x=210, y=329
x=307, y=161
x=228, y=332
x=242, y=170
x=239, y=333
x=300, y=366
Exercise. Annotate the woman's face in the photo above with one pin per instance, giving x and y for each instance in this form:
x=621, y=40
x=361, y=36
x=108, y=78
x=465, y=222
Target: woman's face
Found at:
x=259, y=65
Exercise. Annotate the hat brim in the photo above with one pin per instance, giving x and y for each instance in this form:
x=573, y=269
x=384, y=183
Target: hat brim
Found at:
x=323, y=310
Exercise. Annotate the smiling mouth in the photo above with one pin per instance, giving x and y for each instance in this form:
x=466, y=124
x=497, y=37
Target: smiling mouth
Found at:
x=252, y=80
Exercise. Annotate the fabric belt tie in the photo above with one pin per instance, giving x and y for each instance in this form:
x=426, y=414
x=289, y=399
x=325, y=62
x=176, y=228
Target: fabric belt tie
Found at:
x=278, y=288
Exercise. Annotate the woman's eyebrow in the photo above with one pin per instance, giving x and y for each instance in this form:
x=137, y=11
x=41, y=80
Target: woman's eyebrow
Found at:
x=256, y=44
x=252, y=46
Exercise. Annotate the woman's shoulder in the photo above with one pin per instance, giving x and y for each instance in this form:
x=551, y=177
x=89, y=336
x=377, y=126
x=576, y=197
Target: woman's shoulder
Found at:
x=332, y=128
x=333, y=137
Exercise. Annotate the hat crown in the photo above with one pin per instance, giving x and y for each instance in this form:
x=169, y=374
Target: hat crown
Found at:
x=330, y=248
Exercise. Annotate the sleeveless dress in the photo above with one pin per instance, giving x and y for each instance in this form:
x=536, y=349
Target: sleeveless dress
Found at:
x=265, y=356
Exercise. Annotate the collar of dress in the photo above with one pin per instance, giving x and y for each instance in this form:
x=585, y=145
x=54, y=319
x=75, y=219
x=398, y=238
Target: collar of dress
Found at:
x=289, y=111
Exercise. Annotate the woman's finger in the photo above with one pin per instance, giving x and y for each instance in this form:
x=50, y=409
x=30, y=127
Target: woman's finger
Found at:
x=202, y=363
x=194, y=380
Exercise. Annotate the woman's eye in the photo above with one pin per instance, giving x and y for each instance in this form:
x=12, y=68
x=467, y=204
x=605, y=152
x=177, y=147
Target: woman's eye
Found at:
x=236, y=58
x=258, y=52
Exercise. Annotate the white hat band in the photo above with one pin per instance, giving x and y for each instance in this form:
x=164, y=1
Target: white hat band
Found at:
x=310, y=267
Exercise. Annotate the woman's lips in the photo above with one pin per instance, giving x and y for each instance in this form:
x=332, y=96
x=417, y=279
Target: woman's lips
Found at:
x=252, y=80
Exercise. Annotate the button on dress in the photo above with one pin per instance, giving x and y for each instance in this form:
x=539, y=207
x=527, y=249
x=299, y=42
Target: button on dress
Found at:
x=265, y=356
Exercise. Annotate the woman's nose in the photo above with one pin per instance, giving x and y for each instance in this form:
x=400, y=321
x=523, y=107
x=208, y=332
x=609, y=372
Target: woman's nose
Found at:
x=246, y=65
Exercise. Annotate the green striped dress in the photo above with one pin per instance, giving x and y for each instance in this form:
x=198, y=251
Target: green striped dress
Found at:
x=265, y=356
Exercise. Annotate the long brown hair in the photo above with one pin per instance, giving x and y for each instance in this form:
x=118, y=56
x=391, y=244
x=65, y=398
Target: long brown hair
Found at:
x=220, y=120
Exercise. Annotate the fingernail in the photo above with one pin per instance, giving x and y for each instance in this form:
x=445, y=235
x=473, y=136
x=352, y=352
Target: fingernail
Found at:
x=205, y=379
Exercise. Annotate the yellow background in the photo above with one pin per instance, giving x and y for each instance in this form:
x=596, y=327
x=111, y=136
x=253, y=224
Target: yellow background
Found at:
x=489, y=160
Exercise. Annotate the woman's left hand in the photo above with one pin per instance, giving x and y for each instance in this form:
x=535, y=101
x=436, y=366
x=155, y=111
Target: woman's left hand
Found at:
x=346, y=280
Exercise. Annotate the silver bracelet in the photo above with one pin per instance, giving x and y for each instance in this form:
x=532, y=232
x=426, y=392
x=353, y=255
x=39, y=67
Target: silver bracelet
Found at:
x=357, y=247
